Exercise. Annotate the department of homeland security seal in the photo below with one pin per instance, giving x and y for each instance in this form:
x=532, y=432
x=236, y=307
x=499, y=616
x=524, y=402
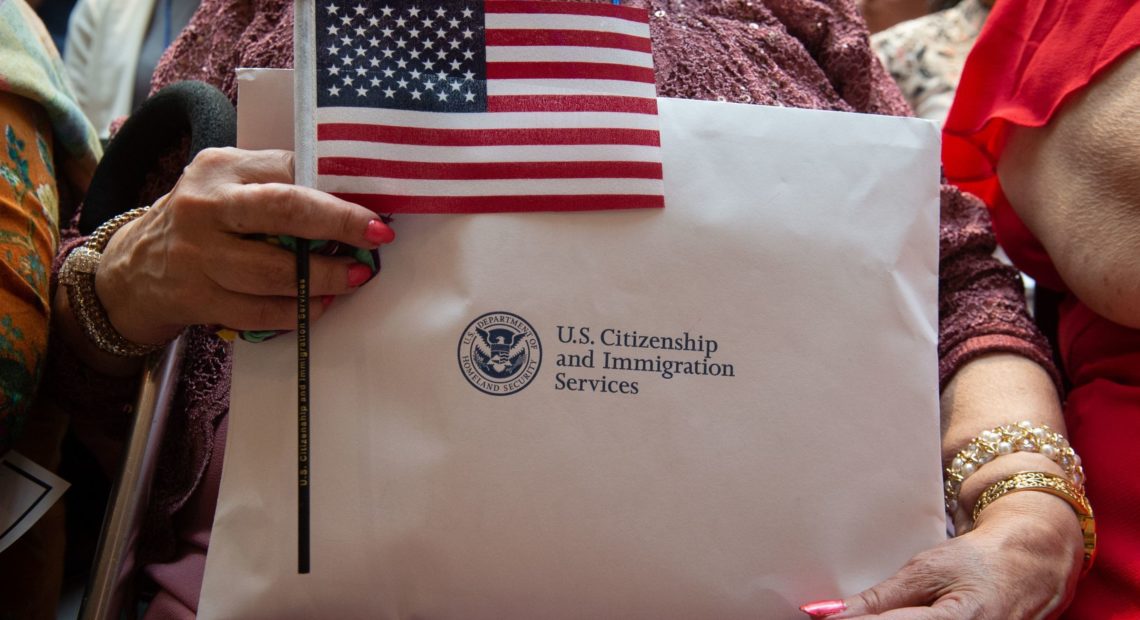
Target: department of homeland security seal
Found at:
x=499, y=353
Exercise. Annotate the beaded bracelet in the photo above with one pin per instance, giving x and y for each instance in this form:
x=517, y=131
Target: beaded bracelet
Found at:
x=1007, y=439
x=78, y=275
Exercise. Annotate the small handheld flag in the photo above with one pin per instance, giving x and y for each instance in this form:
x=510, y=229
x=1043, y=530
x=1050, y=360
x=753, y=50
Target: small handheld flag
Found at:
x=461, y=106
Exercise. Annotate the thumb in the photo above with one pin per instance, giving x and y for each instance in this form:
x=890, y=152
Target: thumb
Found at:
x=886, y=596
x=897, y=591
x=917, y=584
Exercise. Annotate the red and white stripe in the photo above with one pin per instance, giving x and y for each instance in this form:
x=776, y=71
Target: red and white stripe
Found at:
x=571, y=124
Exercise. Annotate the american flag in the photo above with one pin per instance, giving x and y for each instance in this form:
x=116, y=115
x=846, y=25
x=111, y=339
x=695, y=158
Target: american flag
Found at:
x=463, y=106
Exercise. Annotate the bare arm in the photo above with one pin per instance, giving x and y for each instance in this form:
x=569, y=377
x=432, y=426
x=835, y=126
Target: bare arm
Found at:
x=989, y=392
x=1076, y=185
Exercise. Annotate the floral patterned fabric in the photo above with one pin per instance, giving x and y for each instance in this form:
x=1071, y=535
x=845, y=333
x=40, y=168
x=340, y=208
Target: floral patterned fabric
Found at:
x=28, y=238
x=37, y=115
x=925, y=56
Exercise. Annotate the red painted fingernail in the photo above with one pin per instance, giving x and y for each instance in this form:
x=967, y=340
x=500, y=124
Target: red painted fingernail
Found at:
x=377, y=232
x=358, y=274
x=823, y=609
x=326, y=301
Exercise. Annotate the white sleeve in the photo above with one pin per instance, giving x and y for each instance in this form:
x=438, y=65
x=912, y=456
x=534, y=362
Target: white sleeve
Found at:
x=81, y=31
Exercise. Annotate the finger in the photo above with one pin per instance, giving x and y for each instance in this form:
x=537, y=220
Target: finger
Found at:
x=259, y=268
x=282, y=209
x=917, y=584
x=336, y=276
x=241, y=166
x=946, y=608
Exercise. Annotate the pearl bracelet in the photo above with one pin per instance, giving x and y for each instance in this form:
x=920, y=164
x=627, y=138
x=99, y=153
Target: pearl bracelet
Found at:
x=1007, y=439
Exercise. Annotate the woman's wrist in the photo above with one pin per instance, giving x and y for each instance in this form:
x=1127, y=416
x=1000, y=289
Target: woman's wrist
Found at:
x=67, y=328
x=990, y=473
x=97, y=309
x=1040, y=524
x=117, y=285
x=1008, y=439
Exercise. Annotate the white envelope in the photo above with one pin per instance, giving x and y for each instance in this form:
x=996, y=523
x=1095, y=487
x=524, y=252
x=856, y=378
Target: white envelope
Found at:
x=797, y=255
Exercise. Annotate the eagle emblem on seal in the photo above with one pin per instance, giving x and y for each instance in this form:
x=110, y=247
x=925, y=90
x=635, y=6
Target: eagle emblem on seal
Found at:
x=499, y=353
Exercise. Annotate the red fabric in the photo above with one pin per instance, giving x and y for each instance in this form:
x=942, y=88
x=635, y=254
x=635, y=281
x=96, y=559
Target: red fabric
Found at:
x=1031, y=56
x=1103, y=418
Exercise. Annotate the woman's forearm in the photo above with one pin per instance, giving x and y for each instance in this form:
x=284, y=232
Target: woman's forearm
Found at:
x=992, y=391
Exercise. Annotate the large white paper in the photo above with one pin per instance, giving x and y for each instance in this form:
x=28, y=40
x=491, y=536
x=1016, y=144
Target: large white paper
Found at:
x=27, y=491
x=803, y=244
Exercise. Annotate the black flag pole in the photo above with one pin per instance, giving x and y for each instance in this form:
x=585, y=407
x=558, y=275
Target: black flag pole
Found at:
x=304, y=93
x=303, y=460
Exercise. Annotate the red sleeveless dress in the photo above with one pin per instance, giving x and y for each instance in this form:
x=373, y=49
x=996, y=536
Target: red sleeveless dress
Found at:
x=1031, y=56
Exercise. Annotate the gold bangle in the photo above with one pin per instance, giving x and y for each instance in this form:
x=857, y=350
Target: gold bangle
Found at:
x=1054, y=485
x=78, y=274
x=1007, y=439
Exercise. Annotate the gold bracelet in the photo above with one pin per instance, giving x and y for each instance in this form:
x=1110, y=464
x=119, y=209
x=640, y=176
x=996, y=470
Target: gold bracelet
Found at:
x=1007, y=439
x=1054, y=485
x=78, y=274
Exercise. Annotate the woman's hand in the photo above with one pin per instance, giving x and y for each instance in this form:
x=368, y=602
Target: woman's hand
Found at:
x=1021, y=561
x=190, y=260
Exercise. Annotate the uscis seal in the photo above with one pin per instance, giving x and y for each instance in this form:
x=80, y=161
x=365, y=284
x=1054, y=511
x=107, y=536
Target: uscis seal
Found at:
x=499, y=353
